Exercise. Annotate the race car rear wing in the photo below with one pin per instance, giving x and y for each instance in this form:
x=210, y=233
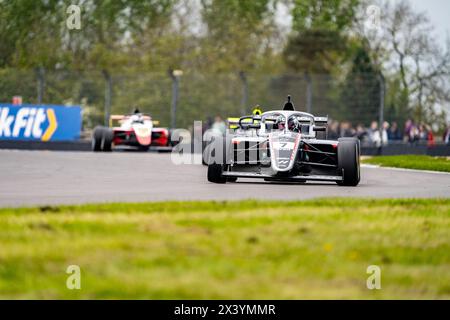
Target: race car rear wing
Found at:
x=118, y=118
x=233, y=123
x=322, y=121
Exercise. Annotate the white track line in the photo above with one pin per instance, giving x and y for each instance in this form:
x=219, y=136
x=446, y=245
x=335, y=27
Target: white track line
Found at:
x=374, y=166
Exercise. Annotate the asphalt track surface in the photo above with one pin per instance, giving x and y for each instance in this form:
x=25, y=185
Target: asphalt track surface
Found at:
x=29, y=178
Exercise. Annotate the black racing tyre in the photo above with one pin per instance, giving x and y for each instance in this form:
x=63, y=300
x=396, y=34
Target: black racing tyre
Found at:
x=232, y=179
x=108, y=137
x=170, y=143
x=215, y=173
x=348, y=153
x=97, y=137
x=206, y=152
x=215, y=170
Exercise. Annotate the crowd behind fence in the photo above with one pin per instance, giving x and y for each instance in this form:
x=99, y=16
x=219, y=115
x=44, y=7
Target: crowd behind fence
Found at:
x=389, y=133
x=355, y=105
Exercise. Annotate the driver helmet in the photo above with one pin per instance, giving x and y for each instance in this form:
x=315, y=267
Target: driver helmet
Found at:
x=280, y=123
x=293, y=124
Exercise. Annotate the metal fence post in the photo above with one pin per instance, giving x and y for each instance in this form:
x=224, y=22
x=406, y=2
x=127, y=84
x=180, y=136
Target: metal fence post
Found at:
x=40, y=84
x=108, y=96
x=175, y=76
x=244, y=100
x=308, y=93
x=381, y=107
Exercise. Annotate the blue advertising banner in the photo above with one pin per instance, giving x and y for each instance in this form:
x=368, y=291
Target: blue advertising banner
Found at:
x=39, y=122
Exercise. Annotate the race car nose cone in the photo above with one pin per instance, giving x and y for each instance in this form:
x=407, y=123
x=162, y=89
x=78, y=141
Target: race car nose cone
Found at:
x=283, y=148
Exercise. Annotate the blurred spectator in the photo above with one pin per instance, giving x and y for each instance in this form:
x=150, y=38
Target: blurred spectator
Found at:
x=333, y=130
x=374, y=134
x=423, y=134
x=394, y=133
x=446, y=136
x=411, y=131
x=384, y=133
x=219, y=125
x=346, y=129
x=207, y=124
x=429, y=135
x=408, y=129
x=376, y=137
x=361, y=132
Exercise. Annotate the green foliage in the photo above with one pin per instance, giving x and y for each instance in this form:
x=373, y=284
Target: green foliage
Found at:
x=319, y=43
x=397, y=100
x=360, y=95
x=236, y=31
x=332, y=15
x=314, y=51
x=221, y=14
x=29, y=32
x=17, y=82
x=35, y=32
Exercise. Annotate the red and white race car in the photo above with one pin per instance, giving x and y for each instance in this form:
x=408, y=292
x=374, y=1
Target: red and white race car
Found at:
x=135, y=131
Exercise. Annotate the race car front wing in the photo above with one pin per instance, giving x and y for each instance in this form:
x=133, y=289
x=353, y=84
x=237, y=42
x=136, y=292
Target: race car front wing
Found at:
x=237, y=174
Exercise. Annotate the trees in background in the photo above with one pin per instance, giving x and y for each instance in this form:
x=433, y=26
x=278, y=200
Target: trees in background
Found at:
x=239, y=33
x=360, y=93
x=319, y=41
x=322, y=43
x=235, y=36
x=34, y=33
x=423, y=66
x=417, y=68
x=29, y=33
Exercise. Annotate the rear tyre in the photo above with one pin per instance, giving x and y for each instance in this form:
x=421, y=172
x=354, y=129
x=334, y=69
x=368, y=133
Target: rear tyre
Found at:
x=107, y=140
x=348, y=161
x=97, y=137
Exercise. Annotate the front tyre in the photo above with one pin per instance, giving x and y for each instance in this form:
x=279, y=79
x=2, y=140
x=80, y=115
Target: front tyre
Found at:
x=348, y=153
x=97, y=137
x=217, y=160
x=215, y=173
x=108, y=137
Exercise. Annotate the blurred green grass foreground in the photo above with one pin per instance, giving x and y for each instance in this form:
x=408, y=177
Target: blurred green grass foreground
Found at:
x=238, y=250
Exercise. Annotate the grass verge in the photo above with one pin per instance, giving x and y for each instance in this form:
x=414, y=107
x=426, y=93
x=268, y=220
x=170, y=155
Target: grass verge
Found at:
x=418, y=162
x=240, y=250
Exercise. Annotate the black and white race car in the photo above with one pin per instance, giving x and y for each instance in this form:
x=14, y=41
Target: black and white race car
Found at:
x=281, y=145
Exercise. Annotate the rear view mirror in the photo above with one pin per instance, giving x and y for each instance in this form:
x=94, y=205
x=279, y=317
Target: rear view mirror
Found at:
x=248, y=122
x=246, y=126
x=320, y=129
